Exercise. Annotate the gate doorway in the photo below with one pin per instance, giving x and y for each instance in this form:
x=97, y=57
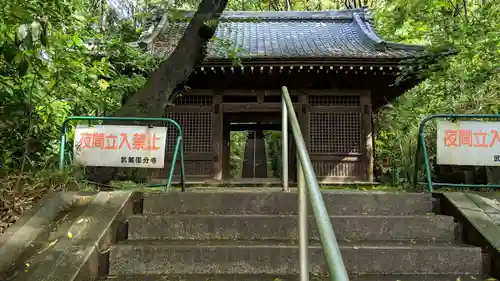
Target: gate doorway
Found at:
x=252, y=147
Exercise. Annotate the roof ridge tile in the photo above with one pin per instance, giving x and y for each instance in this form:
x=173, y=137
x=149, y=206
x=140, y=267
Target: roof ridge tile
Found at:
x=345, y=14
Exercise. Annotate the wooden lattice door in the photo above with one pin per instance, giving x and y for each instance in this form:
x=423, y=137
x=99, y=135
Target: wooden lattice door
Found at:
x=194, y=114
x=336, y=138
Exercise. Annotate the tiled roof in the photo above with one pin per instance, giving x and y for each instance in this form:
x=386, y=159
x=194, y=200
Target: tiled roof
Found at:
x=345, y=34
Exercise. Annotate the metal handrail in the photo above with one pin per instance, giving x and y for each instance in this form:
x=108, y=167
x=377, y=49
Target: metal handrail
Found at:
x=307, y=183
x=179, y=147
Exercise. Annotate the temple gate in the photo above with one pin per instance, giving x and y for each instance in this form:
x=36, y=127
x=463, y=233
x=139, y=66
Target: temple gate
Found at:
x=338, y=71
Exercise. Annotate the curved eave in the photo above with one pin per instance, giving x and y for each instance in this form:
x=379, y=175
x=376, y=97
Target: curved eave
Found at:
x=147, y=41
x=381, y=45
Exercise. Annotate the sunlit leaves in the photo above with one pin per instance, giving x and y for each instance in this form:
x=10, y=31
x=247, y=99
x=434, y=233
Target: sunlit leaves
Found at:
x=103, y=84
x=22, y=33
x=36, y=31
x=298, y=5
x=466, y=82
x=49, y=71
x=77, y=40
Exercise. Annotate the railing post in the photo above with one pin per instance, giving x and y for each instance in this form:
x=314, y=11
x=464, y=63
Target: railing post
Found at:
x=62, y=144
x=284, y=145
x=331, y=249
x=303, y=223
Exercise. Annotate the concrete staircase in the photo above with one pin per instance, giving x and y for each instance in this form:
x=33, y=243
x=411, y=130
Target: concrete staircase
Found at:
x=251, y=235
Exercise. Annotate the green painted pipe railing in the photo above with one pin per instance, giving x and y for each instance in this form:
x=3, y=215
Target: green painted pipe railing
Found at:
x=178, y=149
x=422, y=148
x=307, y=183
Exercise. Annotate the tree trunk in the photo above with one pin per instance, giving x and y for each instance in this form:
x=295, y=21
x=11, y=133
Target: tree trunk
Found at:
x=150, y=101
x=466, y=11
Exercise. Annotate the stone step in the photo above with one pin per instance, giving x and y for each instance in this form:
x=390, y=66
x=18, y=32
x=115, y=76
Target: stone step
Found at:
x=337, y=202
x=284, y=227
x=274, y=258
x=197, y=277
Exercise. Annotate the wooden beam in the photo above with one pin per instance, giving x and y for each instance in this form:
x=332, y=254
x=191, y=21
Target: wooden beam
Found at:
x=367, y=136
x=197, y=92
x=253, y=107
x=265, y=117
x=253, y=127
x=190, y=156
x=334, y=92
x=242, y=92
x=189, y=108
x=217, y=137
x=343, y=108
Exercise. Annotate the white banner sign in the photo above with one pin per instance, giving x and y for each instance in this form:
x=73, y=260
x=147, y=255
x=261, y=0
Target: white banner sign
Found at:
x=473, y=143
x=120, y=146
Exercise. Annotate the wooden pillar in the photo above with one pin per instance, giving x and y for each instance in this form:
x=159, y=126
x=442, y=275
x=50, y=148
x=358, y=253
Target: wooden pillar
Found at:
x=367, y=136
x=226, y=149
x=217, y=137
x=304, y=117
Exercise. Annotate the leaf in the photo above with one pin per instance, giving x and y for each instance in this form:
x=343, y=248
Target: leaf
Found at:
x=23, y=67
x=79, y=18
x=103, y=84
x=36, y=31
x=77, y=41
x=43, y=72
x=10, y=51
x=51, y=84
x=28, y=41
x=9, y=90
x=22, y=33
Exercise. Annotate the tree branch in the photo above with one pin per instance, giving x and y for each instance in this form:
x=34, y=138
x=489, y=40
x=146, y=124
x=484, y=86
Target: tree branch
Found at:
x=151, y=100
x=466, y=12
x=189, y=52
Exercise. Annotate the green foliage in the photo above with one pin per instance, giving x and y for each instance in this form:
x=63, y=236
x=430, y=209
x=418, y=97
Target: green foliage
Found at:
x=274, y=5
x=465, y=82
x=273, y=144
x=237, y=154
x=54, y=63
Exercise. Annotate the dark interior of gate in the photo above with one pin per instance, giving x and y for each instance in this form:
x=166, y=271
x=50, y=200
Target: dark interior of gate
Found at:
x=338, y=72
x=255, y=157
